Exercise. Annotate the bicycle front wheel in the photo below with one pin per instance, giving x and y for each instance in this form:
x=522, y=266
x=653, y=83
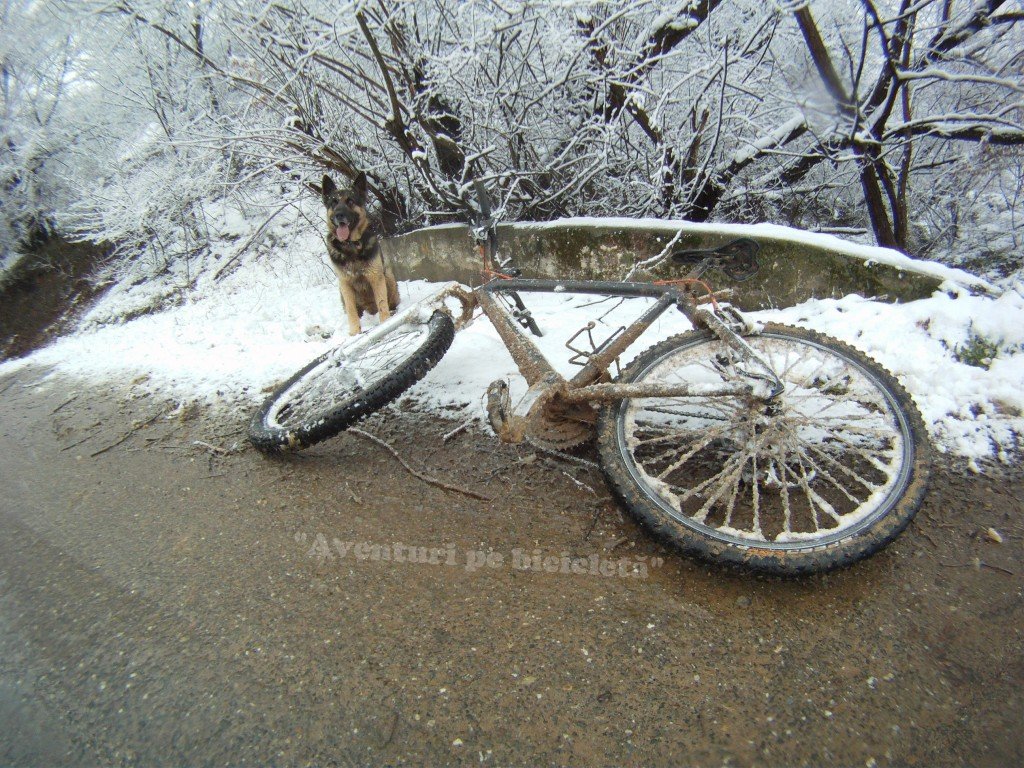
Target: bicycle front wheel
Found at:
x=350, y=382
x=826, y=473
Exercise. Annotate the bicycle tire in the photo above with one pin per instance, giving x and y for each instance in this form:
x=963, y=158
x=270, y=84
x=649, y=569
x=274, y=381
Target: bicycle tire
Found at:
x=332, y=392
x=875, y=421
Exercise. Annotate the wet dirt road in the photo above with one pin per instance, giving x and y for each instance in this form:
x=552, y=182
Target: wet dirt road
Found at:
x=168, y=603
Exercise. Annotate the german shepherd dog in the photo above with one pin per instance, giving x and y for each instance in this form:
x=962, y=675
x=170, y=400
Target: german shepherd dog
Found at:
x=365, y=281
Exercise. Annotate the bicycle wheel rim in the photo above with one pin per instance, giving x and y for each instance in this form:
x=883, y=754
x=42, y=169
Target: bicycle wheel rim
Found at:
x=328, y=386
x=879, y=502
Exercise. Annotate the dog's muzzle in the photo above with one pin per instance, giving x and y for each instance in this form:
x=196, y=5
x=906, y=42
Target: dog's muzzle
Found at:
x=343, y=225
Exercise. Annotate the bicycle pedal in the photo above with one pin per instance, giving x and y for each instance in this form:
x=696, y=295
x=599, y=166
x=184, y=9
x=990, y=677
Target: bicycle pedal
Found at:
x=499, y=406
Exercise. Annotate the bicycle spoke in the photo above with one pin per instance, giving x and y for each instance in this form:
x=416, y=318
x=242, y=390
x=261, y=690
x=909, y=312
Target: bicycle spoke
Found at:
x=731, y=506
x=813, y=497
x=689, y=493
x=847, y=470
x=787, y=512
x=739, y=460
x=710, y=435
x=847, y=446
x=755, y=500
x=698, y=415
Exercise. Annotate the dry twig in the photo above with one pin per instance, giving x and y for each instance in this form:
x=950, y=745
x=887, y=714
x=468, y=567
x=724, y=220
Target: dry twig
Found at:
x=82, y=440
x=978, y=565
x=214, y=449
x=126, y=435
x=66, y=402
x=419, y=475
x=458, y=430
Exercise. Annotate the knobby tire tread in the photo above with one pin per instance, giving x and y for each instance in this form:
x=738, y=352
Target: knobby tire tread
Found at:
x=275, y=440
x=829, y=557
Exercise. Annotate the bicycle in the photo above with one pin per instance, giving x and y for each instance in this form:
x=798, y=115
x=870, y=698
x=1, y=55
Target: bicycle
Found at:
x=774, y=448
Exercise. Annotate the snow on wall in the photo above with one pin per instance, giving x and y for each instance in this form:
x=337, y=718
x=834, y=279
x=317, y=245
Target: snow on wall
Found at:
x=868, y=253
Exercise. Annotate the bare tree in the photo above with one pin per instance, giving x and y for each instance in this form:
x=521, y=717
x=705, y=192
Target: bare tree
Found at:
x=924, y=74
x=901, y=116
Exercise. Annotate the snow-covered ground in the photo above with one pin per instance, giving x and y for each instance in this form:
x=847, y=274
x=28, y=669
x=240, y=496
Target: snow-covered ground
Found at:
x=224, y=340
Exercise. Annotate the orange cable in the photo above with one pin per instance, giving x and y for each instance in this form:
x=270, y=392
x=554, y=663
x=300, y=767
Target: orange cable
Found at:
x=691, y=281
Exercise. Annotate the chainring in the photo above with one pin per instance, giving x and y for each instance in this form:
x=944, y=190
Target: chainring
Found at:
x=560, y=426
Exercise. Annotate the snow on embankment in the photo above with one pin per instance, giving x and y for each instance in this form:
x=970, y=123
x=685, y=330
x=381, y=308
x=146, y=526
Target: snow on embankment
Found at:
x=960, y=356
x=223, y=335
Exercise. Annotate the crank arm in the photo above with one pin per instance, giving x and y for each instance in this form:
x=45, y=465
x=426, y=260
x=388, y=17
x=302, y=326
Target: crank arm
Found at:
x=508, y=422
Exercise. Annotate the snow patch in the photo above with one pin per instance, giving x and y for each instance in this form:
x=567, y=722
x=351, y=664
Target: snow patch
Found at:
x=226, y=339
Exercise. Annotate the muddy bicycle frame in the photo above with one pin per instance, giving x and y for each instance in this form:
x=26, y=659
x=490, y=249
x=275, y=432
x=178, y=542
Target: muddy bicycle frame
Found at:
x=593, y=382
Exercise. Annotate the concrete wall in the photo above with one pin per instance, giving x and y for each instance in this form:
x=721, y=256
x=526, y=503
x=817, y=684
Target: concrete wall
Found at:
x=790, y=272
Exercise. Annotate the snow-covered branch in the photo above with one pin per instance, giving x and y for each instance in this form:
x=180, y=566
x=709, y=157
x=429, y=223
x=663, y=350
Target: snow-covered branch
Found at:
x=961, y=128
x=819, y=115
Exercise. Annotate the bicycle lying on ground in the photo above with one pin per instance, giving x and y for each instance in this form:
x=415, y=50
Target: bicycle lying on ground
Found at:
x=778, y=449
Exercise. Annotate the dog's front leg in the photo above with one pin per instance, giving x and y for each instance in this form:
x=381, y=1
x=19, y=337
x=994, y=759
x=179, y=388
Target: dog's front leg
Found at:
x=380, y=296
x=348, y=301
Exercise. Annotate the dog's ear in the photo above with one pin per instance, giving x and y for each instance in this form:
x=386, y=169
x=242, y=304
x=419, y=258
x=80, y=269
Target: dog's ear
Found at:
x=326, y=187
x=359, y=188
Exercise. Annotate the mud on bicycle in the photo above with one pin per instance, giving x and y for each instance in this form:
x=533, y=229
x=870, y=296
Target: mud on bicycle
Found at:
x=773, y=448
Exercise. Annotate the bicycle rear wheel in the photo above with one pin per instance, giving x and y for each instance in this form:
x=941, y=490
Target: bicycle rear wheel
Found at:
x=350, y=382
x=825, y=474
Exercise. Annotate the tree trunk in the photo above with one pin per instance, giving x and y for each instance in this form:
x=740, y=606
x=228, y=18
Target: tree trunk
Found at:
x=873, y=198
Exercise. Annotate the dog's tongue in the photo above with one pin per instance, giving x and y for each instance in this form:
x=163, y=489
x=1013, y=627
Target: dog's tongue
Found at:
x=342, y=233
